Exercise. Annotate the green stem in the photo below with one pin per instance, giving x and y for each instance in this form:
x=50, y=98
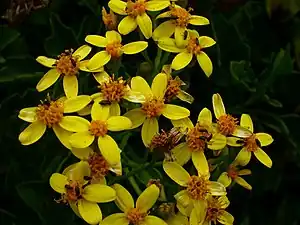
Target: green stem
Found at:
x=63, y=162
x=133, y=183
x=217, y=45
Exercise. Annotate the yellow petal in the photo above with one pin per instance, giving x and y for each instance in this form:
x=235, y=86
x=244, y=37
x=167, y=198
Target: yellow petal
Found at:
x=32, y=133
x=79, y=171
x=199, y=212
x=175, y=112
x=234, y=141
x=149, y=129
x=99, y=60
x=82, y=139
x=183, y=124
x=63, y=136
x=241, y=181
x=241, y=132
x=96, y=40
x=70, y=84
x=45, y=61
x=28, y=114
x=157, y=5
x=224, y=179
x=145, y=24
x=193, y=34
x=127, y=25
x=177, y=173
x=167, y=14
x=206, y=42
x=99, y=193
x=178, y=219
x=244, y=172
x=148, y=198
x=74, y=124
x=76, y=104
x=205, y=117
x=82, y=153
x=217, y=142
x=136, y=116
x=118, y=123
x=184, y=202
x=219, y=108
x=246, y=122
x=205, y=63
x=165, y=29
x=225, y=218
x=181, y=153
x=124, y=200
x=243, y=157
x=153, y=220
x=109, y=149
x=200, y=162
x=168, y=45
x=100, y=112
x=116, y=218
x=264, y=138
x=114, y=109
x=217, y=189
x=180, y=36
x=101, y=77
x=135, y=47
x=83, y=67
x=159, y=85
x=74, y=207
x=184, y=96
x=118, y=6
x=58, y=182
x=47, y=80
x=263, y=157
x=224, y=201
x=85, y=111
x=89, y=211
x=113, y=36
x=139, y=84
x=198, y=20
x=82, y=52
x=134, y=96
x=182, y=60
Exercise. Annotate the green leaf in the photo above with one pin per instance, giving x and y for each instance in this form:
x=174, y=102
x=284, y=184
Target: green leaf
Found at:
x=283, y=65
x=7, y=36
x=89, y=25
x=92, y=5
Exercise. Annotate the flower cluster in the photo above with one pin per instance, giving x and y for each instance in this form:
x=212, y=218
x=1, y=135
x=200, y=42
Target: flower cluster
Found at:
x=84, y=124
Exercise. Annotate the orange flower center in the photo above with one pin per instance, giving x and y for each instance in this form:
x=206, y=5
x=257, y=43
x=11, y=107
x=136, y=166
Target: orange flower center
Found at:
x=232, y=172
x=153, y=107
x=173, y=88
x=214, y=210
x=197, y=138
x=66, y=64
x=109, y=19
x=114, y=90
x=198, y=187
x=98, y=128
x=251, y=143
x=165, y=141
x=50, y=113
x=73, y=191
x=114, y=49
x=135, y=217
x=193, y=46
x=227, y=124
x=182, y=16
x=98, y=165
x=136, y=8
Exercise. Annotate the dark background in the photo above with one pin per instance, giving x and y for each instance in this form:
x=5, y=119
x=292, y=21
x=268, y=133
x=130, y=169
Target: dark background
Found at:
x=256, y=69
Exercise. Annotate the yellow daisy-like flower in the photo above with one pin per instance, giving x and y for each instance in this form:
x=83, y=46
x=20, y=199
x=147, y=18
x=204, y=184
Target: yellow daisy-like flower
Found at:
x=80, y=195
x=233, y=174
x=153, y=106
x=252, y=142
x=112, y=91
x=136, y=16
x=112, y=42
x=98, y=128
x=67, y=65
x=194, y=45
x=191, y=201
x=51, y=114
x=198, y=138
x=180, y=18
x=137, y=213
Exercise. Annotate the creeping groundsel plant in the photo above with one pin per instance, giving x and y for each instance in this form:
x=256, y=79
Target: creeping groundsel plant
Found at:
x=184, y=152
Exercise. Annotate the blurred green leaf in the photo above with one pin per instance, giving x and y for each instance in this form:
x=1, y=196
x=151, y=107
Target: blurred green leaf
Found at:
x=7, y=36
x=92, y=5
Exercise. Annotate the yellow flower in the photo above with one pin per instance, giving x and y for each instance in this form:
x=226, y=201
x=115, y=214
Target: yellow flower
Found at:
x=67, y=65
x=136, y=16
x=112, y=91
x=153, y=106
x=136, y=214
x=112, y=42
x=98, y=128
x=193, y=45
x=180, y=18
x=178, y=219
x=197, y=189
x=174, y=87
x=109, y=19
x=80, y=195
x=252, y=142
x=198, y=138
x=234, y=174
x=51, y=114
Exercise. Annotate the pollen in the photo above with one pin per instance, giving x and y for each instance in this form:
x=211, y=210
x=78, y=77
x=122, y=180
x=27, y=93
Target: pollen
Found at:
x=98, y=165
x=114, y=90
x=198, y=187
x=193, y=46
x=232, y=172
x=153, y=107
x=98, y=128
x=109, y=19
x=182, y=16
x=197, y=138
x=50, y=113
x=227, y=124
x=214, y=209
x=251, y=143
x=173, y=88
x=114, y=49
x=67, y=64
x=136, y=8
x=73, y=193
x=135, y=217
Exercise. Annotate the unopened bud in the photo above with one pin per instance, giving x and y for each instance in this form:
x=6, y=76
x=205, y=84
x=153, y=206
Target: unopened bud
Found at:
x=109, y=19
